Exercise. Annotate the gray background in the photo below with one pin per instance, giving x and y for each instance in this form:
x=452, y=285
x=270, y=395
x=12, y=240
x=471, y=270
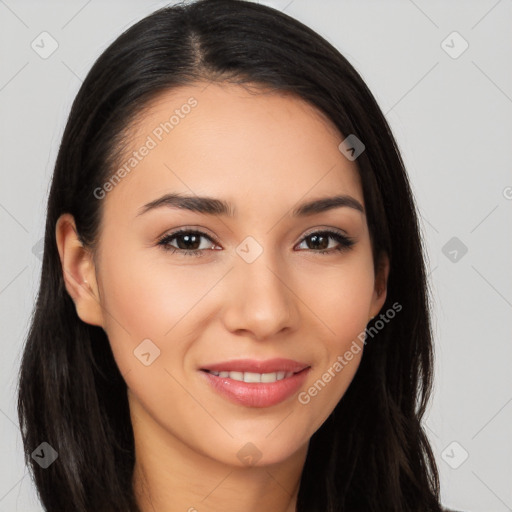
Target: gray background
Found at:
x=452, y=117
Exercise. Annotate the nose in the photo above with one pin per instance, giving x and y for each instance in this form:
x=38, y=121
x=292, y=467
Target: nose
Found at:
x=260, y=300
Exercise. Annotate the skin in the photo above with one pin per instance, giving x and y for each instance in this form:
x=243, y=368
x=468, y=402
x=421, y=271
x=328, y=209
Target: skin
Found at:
x=266, y=154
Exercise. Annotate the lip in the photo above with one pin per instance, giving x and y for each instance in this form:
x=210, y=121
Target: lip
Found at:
x=255, y=366
x=251, y=394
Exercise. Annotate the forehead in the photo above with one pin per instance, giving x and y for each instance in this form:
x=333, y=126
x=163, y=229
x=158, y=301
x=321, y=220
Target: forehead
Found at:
x=226, y=141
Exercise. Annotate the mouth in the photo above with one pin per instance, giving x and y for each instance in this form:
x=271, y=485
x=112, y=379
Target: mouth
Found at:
x=256, y=383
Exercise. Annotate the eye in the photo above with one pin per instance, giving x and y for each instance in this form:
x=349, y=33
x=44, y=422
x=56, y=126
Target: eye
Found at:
x=320, y=240
x=188, y=242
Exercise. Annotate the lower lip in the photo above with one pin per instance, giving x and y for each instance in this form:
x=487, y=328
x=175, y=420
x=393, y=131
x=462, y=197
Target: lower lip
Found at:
x=253, y=394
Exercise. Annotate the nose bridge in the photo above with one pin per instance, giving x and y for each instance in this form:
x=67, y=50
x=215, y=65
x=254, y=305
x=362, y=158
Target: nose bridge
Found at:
x=261, y=301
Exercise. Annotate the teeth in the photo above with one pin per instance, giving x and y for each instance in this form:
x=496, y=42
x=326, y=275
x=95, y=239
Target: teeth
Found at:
x=253, y=377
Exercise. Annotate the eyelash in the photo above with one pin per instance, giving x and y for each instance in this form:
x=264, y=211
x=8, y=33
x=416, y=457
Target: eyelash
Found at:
x=345, y=242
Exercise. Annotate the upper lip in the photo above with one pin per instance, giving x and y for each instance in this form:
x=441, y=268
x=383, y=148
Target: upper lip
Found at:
x=255, y=366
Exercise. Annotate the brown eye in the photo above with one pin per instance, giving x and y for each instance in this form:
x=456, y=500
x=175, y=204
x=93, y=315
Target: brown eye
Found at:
x=188, y=242
x=319, y=241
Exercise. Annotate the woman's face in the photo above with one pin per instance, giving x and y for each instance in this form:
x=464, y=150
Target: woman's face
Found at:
x=255, y=284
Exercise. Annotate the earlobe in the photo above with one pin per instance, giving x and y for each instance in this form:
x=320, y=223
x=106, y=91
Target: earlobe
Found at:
x=78, y=271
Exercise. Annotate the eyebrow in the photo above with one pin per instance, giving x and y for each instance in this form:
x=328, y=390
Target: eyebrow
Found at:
x=212, y=206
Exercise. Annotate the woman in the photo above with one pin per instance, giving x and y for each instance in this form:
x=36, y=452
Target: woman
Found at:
x=233, y=311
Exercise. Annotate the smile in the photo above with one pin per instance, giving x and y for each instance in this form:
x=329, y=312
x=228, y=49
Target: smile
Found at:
x=253, y=377
x=251, y=389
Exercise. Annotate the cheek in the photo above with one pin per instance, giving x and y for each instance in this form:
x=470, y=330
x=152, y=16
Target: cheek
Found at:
x=137, y=302
x=342, y=298
x=342, y=302
x=135, y=296
x=146, y=298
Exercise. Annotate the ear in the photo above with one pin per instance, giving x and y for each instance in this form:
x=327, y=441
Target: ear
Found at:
x=381, y=285
x=78, y=271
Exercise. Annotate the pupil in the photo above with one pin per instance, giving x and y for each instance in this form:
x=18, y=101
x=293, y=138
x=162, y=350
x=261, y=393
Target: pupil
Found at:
x=189, y=239
x=315, y=239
